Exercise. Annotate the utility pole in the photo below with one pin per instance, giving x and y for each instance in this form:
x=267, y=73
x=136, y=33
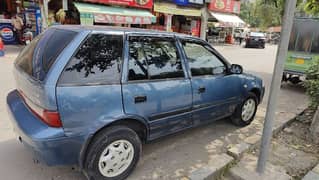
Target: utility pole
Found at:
x=290, y=7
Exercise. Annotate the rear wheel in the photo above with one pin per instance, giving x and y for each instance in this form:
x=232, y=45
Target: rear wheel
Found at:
x=113, y=154
x=246, y=111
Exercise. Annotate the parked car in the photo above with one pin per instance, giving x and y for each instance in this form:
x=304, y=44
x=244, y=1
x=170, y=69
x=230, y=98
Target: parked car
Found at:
x=255, y=39
x=90, y=96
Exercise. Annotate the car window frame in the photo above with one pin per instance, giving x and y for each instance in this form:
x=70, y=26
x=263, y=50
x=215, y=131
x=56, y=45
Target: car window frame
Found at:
x=210, y=49
x=59, y=84
x=125, y=78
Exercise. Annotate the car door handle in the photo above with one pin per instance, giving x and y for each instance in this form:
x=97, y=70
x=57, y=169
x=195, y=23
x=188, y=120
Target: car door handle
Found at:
x=139, y=99
x=201, y=89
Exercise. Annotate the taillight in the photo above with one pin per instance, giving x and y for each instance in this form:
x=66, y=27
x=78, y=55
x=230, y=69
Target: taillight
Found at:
x=51, y=118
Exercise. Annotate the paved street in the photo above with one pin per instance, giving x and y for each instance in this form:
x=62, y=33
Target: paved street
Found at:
x=168, y=158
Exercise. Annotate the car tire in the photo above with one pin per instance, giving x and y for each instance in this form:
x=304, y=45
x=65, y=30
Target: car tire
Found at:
x=249, y=105
x=112, y=149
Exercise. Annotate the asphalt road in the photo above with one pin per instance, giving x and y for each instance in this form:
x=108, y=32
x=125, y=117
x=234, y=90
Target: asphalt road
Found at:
x=168, y=158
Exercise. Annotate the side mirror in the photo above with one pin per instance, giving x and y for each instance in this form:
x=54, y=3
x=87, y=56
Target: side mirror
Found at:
x=236, y=69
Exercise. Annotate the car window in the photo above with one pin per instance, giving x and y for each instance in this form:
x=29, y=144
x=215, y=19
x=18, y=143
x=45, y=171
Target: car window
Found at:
x=37, y=58
x=137, y=61
x=201, y=60
x=98, y=60
x=154, y=58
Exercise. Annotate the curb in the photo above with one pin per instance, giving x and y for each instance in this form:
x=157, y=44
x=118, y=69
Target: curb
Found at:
x=313, y=174
x=214, y=168
x=252, y=142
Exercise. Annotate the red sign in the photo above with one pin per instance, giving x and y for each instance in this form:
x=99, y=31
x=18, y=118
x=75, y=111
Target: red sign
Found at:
x=133, y=3
x=228, y=6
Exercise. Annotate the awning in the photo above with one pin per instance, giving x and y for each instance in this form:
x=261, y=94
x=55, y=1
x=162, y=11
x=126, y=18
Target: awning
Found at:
x=169, y=8
x=108, y=14
x=228, y=20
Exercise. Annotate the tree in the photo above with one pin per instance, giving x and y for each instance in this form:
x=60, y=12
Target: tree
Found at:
x=312, y=7
x=248, y=14
x=261, y=14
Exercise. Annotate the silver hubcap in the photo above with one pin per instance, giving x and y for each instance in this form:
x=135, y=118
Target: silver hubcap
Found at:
x=248, y=109
x=116, y=158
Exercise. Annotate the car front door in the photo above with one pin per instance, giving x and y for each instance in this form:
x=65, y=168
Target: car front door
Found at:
x=156, y=87
x=215, y=92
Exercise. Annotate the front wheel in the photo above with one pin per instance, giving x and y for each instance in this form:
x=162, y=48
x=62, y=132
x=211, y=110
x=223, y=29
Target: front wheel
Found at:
x=246, y=111
x=113, y=154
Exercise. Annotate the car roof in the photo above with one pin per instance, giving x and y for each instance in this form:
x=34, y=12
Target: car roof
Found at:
x=80, y=28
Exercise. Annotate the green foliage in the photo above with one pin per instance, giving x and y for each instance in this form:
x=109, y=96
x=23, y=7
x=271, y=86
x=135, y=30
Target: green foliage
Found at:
x=266, y=13
x=312, y=84
x=260, y=14
x=312, y=7
x=248, y=13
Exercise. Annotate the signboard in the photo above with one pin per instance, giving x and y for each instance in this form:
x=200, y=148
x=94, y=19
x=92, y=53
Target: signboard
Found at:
x=181, y=2
x=87, y=19
x=228, y=6
x=118, y=19
x=188, y=2
x=148, y=4
x=7, y=34
x=196, y=1
x=169, y=8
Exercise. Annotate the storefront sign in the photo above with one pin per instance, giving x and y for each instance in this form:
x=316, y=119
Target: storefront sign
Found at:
x=133, y=3
x=181, y=2
x=118, y=19
x=87, y=19
x=196, y=1
x=169, y=8
x=228, y=6
x=7, y=34
x=188, y=2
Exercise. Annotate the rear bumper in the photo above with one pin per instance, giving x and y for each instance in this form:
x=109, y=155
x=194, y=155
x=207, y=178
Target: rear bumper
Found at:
x=49, y=145
x=254, y=43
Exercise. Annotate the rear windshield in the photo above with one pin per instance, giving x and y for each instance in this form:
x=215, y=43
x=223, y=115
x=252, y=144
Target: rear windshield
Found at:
x=37, y=58
x=257, y=34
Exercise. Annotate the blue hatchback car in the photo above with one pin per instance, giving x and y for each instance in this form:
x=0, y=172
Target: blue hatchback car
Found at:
x=90, y=96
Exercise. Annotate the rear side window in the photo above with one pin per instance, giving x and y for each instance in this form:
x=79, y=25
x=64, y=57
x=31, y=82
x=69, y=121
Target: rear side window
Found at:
x=97, y=61
x=37, y=58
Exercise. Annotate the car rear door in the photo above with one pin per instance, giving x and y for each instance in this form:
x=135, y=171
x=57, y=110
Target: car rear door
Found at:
x=215, y=93
x=156, y=86
x=89, y=92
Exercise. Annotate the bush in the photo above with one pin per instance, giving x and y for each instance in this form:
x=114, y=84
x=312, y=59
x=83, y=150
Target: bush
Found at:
x=312, y=84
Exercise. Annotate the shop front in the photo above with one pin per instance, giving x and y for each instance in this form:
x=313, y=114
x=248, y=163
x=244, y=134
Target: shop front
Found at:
x=179, y=16
x=28, y=24
x=128, y=13
x=224, y=21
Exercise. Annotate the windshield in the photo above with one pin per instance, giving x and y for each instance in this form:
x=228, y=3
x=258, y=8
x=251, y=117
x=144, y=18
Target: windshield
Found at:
x=37, y=58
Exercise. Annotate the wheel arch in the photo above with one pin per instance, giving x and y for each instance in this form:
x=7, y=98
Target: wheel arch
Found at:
x=136, y=123
x=257, y=92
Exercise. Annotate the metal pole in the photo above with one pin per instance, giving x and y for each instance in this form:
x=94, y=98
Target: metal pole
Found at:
x=290, y=6
x=204, y=21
